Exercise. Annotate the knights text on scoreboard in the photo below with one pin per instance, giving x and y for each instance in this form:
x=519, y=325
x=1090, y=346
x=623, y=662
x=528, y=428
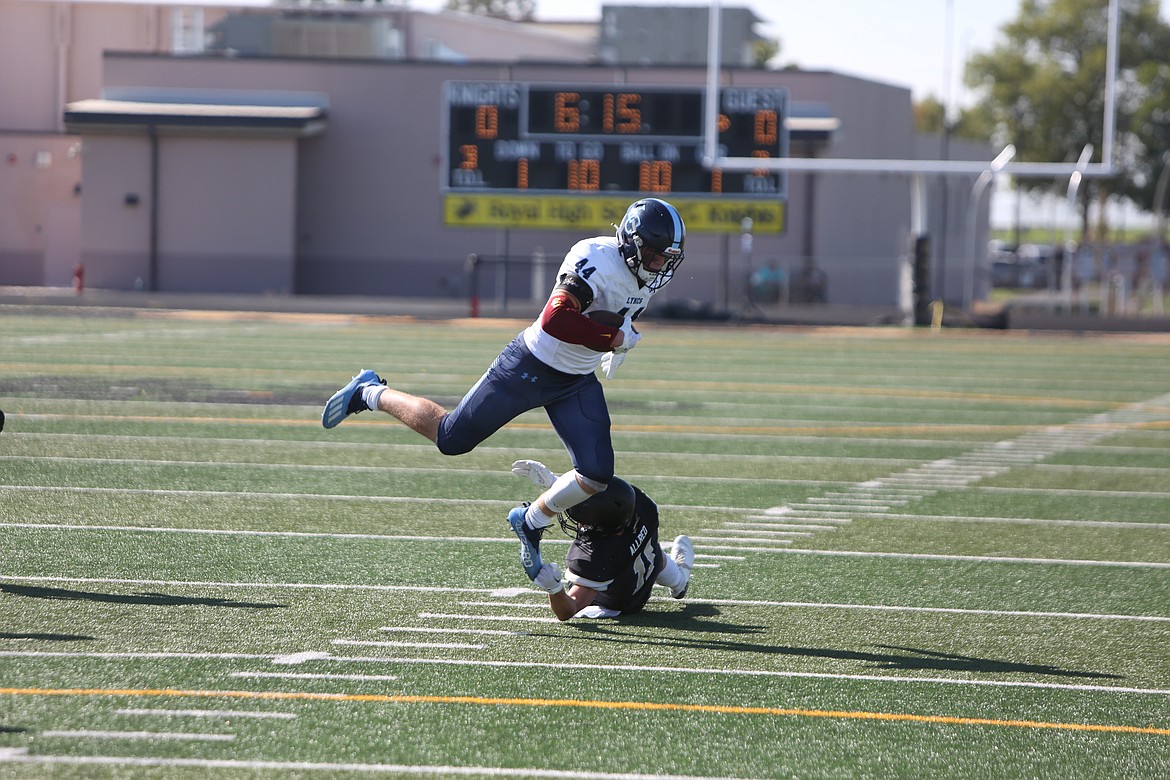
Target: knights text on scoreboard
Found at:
x=519, y=137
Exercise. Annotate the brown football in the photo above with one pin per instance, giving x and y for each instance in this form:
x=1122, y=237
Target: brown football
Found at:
x=611, y=318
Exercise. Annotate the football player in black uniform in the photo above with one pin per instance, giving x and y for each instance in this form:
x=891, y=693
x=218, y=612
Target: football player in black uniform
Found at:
x=615, y=558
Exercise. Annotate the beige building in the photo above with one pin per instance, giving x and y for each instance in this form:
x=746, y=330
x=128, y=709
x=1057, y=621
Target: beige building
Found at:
x=160, y=166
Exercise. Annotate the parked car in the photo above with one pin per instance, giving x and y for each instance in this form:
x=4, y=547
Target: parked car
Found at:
x=1025, y=267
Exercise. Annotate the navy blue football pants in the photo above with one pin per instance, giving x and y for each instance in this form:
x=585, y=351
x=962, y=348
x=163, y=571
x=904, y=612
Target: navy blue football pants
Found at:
x=517, y=382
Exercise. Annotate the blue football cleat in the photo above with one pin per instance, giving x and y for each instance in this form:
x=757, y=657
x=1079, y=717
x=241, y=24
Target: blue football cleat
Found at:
x=348, y=400
x=529, y=541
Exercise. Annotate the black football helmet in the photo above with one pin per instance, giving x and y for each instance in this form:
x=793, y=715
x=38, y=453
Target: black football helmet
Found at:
x=606, y=512
x=652, y=227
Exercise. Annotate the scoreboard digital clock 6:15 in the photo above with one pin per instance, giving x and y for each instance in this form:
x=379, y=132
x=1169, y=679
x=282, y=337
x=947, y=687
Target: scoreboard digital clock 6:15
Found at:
x=535, y=138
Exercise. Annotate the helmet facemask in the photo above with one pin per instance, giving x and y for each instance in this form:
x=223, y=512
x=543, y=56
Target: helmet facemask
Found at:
x=652, y=227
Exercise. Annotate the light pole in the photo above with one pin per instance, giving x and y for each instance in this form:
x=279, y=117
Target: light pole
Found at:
x=985, y=178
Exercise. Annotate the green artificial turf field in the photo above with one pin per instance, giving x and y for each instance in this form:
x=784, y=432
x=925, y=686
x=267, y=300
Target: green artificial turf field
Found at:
x=919, y=554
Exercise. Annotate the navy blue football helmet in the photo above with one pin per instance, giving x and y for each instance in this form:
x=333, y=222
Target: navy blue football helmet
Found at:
x=651, y=237
x=606, y=512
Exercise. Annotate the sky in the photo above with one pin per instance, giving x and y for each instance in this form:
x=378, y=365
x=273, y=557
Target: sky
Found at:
x=902, y=42
x=919, y=44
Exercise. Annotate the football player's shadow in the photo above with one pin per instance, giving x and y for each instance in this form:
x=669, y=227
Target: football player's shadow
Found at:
x=693, y=617
x=152, y=599
x=39, y=637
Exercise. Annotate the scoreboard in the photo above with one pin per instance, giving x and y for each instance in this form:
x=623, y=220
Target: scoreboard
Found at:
x=518, y=137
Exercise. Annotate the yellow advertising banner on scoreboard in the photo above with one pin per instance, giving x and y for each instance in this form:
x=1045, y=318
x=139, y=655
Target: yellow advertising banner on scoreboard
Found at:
x=597, y=213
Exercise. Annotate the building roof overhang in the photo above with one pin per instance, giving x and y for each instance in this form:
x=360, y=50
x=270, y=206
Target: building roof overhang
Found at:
x=102, y=115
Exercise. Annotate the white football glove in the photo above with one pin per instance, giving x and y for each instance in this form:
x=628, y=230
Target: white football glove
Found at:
x=630, y=337
x=540, y=475
x=610, y=362
x=548, y=579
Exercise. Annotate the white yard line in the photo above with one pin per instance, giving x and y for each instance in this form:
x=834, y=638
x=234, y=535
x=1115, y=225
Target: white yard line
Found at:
x=1155, y=494
x=938, y=610
x=876, y=497
x=1021, y=521
x=136, y=735
x=119, y=336
x=761, y=535
x=290, y=534
x=486, y=618
x=780, y=527
x=476, y=631
x=263, y=585
x=128, y=656
x=305, y=766
x=731, y=548
x=983, y=558
x=257, y=495
x=236, y=494
x=352, y=468
x=309, y=676
x=962, y=444
x=562, y=666
x=228, y=714
x=738, y=540
x=425, y=645
x=532, y=593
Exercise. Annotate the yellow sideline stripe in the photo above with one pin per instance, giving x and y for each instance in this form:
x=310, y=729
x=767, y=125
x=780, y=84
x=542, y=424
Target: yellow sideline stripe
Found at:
x=722, y=709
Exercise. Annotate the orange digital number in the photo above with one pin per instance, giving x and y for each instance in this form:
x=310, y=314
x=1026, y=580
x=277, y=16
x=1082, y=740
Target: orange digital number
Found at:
x=654, y=176
x=566, y=114
x=716, y=180
x=760, y=171
x=487, y=121
x=522, y=173
x=470, y=154
x=585, y=175
x=767, y=128
x=620, y=113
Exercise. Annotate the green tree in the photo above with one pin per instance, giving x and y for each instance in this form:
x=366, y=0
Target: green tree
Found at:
x=515, y=10
x=764, y=51
x=1043, y=85
x=973, y=123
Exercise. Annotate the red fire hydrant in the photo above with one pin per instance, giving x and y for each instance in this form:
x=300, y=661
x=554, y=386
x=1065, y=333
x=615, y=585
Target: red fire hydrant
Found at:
x=79, y=278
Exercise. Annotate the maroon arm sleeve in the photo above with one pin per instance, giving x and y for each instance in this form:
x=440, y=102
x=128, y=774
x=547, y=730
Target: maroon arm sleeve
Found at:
x=562, y=319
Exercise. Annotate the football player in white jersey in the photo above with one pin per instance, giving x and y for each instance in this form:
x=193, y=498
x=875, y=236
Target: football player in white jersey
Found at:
x=552, y=364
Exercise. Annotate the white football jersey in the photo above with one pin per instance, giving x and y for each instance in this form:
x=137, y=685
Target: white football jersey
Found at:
x=615, y=288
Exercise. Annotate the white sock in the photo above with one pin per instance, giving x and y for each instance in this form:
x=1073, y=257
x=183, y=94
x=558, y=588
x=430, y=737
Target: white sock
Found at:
x=566, y=492
x=371, y=394
x=535, y=519
x=672, y=575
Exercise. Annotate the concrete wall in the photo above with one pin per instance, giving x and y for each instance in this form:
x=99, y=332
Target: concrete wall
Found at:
x=365, y=196
x=51, y=54
x=115, y=220
x=227, y=214
x=225, y=218
x=368, y=190
x=40, y=218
